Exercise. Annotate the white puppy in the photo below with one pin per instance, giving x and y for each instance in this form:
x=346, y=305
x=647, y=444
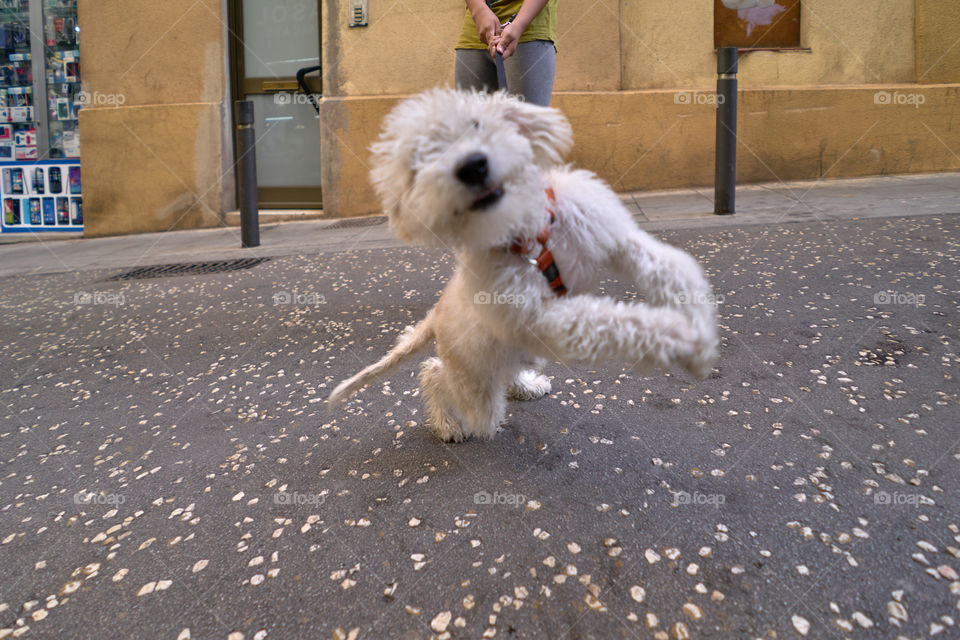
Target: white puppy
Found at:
x=479, y=174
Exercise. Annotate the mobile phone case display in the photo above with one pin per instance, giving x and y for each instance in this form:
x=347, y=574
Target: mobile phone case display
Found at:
x=18, y=128
x=41, y=196
x=64, y=95
x=40, y=92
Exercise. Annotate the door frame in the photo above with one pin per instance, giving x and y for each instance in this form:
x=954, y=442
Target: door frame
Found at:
x=241, y=86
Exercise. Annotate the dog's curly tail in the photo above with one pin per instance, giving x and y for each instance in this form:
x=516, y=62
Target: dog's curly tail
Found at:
x=411, y=340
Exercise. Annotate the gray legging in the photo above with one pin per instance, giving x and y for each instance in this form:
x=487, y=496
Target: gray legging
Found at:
x=529, y=71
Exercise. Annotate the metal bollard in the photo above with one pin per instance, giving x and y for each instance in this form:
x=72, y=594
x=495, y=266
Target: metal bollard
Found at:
x=247, y=176
x=725, y=181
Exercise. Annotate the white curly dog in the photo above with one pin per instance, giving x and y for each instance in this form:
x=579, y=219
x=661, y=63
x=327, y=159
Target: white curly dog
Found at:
x=480, y=174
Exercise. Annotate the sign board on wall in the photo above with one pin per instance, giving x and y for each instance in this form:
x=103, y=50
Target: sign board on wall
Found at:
x=41, y=196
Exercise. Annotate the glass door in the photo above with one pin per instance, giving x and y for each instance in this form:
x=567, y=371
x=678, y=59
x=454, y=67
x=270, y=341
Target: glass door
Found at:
x=272, y=40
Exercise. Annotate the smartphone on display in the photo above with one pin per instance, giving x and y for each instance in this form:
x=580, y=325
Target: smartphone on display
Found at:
x=16, y=179
x=35, y=211
x=49, y=212
x=11, y=211
x=6, y=181
x=75, y=181
x=76, y=211
x=56, y=184
x=63, y=210
x=38, y=180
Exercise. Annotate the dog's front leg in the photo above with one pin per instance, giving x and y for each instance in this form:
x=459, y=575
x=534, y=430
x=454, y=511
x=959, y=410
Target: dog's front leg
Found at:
x=667, y=275
x=672, y=278
x=599, y=330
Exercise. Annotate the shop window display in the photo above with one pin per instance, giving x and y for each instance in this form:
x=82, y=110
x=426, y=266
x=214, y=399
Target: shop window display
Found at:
x=40, y=98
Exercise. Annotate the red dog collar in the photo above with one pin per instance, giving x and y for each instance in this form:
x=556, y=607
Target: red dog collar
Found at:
x=544, y=261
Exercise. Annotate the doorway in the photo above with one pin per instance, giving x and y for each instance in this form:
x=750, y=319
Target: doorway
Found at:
x=270, y=41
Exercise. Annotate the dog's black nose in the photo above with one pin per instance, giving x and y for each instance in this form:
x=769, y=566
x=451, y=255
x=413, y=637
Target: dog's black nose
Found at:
x=473, y=170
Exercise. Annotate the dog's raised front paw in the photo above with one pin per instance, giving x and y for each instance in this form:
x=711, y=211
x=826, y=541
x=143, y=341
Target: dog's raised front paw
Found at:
x=700, y=363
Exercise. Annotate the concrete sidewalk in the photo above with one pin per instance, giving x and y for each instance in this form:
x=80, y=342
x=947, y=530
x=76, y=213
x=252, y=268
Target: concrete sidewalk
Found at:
x=171, y=469
x=772, y=203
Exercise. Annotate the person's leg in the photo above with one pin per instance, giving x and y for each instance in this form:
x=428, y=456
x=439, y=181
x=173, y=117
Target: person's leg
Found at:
x=530, y=71
x=475, y=69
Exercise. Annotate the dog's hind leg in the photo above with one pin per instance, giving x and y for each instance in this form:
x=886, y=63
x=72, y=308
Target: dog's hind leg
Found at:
x=459, y=405
x=529, y=384
x=437, y=398
x=483, y=406
x=466, y=387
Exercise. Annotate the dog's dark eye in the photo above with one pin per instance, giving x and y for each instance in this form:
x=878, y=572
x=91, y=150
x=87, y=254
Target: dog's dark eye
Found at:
x=475, y=124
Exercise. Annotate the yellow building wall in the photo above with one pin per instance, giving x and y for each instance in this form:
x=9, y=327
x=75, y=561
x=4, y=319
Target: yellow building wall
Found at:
x=669, y=44
x=410, y=45
x=637, y=140
x=938, y=41
x=158, y=156
x=152, y=151
x=625, y=73
x=607, y=45
x=642, y=140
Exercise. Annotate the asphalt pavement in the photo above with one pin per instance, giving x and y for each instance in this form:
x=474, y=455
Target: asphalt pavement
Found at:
x=169, y=469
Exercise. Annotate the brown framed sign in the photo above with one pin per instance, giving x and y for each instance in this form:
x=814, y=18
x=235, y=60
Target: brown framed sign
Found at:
x=756, y=24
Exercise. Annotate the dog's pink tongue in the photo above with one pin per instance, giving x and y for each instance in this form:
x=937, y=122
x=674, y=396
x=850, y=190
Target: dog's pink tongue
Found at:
x=488, y=197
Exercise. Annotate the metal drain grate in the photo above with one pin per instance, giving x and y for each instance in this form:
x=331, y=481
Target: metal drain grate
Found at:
x=189, y=269
x=369, y=221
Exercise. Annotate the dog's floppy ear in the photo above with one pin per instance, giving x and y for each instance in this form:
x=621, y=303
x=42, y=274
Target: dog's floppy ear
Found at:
x=546, y=128
x=390, y=175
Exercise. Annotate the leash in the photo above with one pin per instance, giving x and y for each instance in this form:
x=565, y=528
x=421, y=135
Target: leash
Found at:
x=501, y=72
x=544, y=261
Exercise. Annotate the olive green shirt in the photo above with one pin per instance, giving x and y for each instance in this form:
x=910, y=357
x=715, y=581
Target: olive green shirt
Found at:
x=543, y=27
